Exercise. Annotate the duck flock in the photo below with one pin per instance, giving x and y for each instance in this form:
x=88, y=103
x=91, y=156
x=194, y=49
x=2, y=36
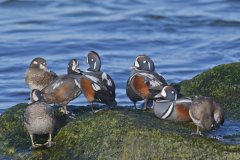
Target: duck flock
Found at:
x=97, y=86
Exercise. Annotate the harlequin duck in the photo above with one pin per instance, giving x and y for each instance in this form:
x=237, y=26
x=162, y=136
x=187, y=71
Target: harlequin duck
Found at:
x=206, y=113
x=39, y=118
x=38, y=76
x=97, y=86
x=65, y=88
x=94, y=61
x=96, y=91
x=144, y=83
x=171, y=108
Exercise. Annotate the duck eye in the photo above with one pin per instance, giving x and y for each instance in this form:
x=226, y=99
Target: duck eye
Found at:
x=144, y=61
x=92, y=60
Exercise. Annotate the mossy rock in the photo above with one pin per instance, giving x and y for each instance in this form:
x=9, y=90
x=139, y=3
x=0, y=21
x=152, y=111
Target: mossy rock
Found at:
x=129, y=134
x=221, y=82
x=116, y=134
x=12, y=130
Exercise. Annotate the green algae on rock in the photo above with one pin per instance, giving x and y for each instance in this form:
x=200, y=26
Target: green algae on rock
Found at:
x=119, y=134
x=12, y=130
x=221, y=82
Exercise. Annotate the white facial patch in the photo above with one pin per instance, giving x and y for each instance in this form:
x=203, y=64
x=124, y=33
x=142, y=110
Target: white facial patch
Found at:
x=35, y=62
x=144, y=62
x=74, y=63
x=75, y=67
x=43, y=67
x=35, y=98
x=163, y=93
x=96, y=87
x=216, y=117
x=136, y=64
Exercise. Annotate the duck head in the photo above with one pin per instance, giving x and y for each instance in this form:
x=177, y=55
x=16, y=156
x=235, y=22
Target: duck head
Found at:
x=39, y=63
x=143, y=62
x=94, y=61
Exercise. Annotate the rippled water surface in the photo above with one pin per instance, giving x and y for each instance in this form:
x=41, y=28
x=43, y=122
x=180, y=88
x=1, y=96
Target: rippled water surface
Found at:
x=184, y=38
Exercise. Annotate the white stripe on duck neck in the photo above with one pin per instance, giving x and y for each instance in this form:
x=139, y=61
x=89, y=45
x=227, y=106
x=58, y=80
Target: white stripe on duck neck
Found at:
x=95, y=64
x=149, y=66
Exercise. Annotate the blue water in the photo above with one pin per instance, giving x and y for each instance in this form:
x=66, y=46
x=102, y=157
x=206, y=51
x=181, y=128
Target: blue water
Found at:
x=184, y=38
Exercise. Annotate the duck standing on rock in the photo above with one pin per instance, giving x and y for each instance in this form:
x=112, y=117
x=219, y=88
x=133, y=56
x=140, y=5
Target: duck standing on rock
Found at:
x=97, y=86
x=38, y=76
x=171, y=108
x=65, y=88
x=144, y=83
x=39, y=118
x=94, y=62
x=206, y=113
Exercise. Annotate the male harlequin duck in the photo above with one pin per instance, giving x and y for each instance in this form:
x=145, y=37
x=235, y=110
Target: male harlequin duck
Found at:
x=39, y=118
x=206, y=113
x=65, y=88
x=172, y=108
x=144, y=83
x=38, y=76
x=97, y=86
x=94, y=61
